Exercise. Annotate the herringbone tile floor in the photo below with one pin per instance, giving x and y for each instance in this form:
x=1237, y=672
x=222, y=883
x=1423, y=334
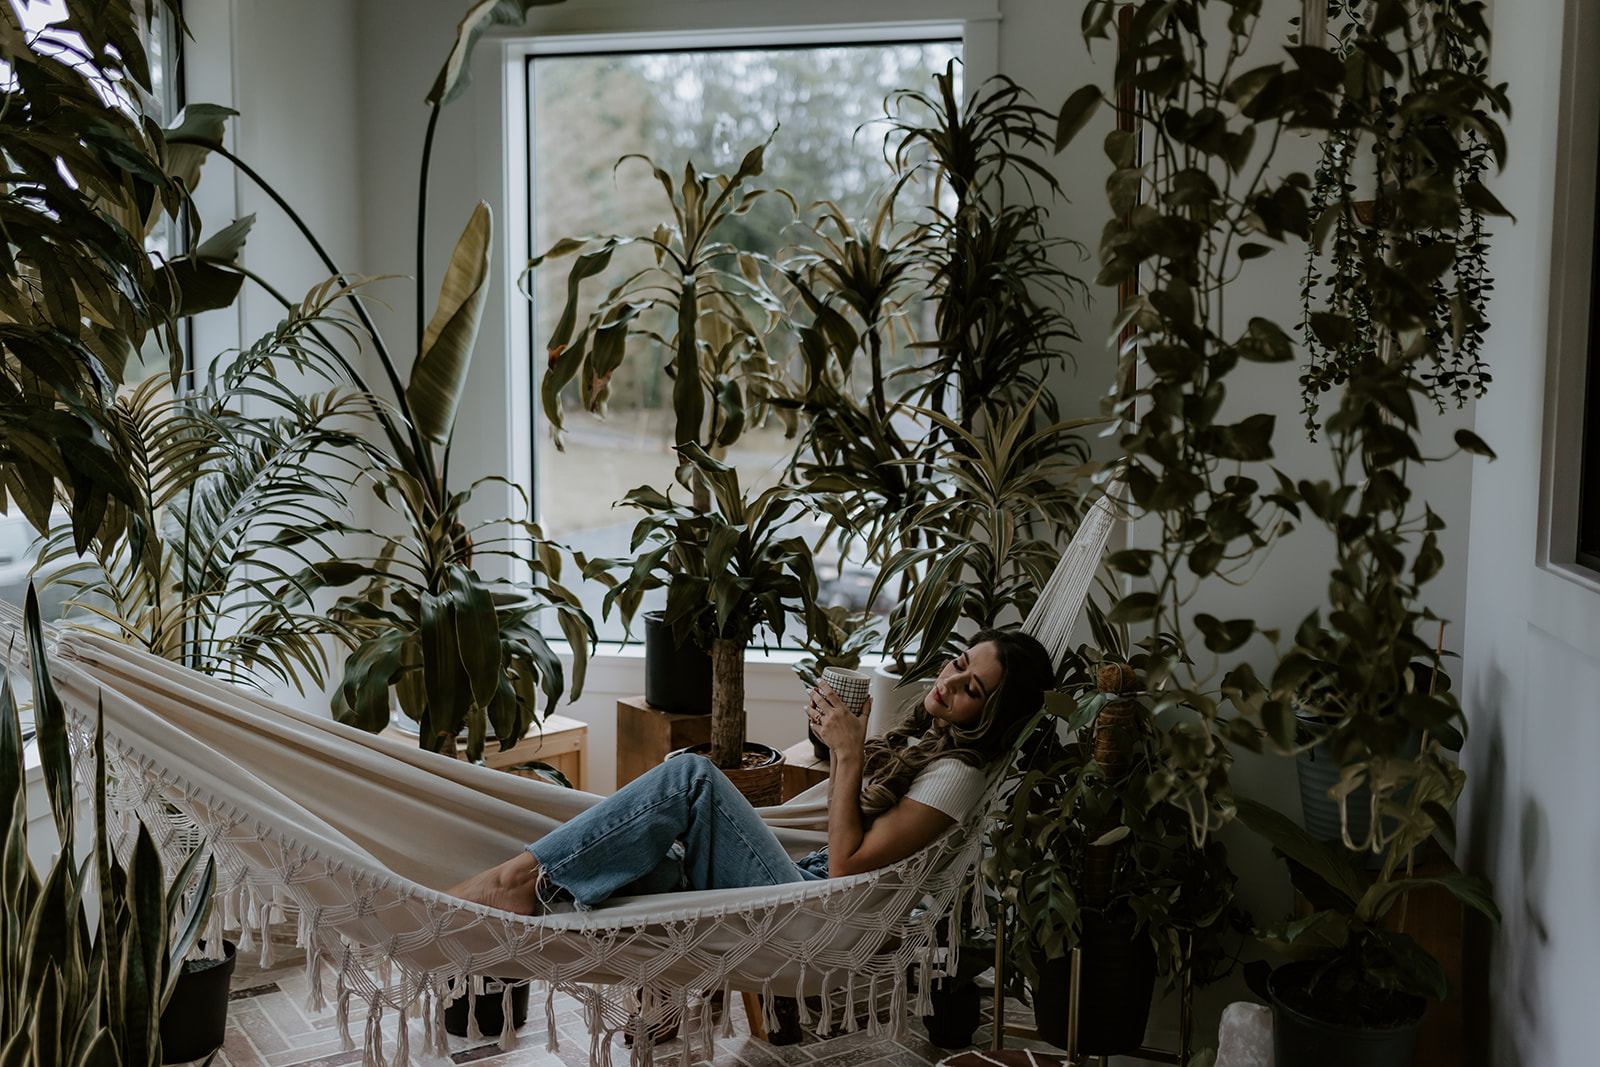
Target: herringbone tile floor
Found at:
x=269, y=1026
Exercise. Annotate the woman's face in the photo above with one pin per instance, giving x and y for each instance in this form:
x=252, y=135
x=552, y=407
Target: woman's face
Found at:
x=964, y=686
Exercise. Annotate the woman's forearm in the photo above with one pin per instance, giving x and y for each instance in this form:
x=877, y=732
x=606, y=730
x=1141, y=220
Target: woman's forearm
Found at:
x=845, y=830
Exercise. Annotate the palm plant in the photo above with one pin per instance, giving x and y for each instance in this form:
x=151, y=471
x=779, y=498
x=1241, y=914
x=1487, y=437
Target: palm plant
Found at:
x=243, y=502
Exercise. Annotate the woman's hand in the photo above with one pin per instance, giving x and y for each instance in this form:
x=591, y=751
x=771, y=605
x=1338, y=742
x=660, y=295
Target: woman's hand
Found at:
x=833, y=723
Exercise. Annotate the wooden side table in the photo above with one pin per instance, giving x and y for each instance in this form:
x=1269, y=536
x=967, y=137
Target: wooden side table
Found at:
x=646, y=734
x=558, y=741
x=801, y=769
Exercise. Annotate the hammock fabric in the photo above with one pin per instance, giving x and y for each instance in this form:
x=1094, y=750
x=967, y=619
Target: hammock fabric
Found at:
x=348, y=834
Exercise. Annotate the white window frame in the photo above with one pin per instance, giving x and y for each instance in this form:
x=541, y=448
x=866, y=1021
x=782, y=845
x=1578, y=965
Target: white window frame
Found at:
x=567, y=29
x=1572, y=260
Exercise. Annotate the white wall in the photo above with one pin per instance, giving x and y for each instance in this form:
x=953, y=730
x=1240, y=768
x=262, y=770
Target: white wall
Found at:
x=1532, y=820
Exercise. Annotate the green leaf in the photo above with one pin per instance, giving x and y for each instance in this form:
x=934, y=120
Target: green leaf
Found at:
x=1076, y=113
x=1468, y=441
x=454, y=75
x=477, y=634
x=1324, y=861
x=1135, y=607
x=440, y=373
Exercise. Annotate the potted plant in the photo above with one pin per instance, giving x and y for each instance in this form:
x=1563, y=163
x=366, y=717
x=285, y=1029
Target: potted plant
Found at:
x=458, y=651
x=90, y=176
x=1357, y=989
x=728, y=570
x=108, y=979
x=1203, y=206
x=1088, y=854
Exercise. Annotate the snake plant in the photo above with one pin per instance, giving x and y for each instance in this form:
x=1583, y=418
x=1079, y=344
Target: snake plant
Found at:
x=76, y=991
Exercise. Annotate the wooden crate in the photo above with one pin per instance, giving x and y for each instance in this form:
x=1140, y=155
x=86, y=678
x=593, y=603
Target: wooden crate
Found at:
x=558, y=741
x=801, y=769
x=646, y=734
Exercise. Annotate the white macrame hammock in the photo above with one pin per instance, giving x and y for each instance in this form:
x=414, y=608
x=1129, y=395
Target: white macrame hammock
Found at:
x=347, y=833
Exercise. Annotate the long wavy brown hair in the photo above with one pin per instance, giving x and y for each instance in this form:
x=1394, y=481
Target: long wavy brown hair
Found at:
x=891, y=762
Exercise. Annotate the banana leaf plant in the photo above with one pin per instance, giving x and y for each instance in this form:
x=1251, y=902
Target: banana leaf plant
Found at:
x=88, y=173
x=459, y=651
x=76, y=991
x=728, y=569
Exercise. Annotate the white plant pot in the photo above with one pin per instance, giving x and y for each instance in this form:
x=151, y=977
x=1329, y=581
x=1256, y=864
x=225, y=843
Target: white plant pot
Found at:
x=891, y=699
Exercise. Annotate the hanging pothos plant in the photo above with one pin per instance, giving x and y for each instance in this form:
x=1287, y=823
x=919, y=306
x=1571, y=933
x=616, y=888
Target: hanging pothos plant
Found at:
x=1362, y=171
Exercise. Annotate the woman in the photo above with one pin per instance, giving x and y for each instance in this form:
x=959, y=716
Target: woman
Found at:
x=684, y=826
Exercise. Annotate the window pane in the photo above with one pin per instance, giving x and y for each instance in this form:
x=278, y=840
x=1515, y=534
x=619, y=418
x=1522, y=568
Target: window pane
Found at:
x=706, y=109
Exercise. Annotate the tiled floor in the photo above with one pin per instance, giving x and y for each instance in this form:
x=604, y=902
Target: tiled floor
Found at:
x=269, y=1026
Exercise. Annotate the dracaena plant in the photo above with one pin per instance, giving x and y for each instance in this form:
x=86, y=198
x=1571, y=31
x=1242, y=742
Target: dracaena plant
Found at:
x=697, y=302
x=940, y=467
x=728, y=569
x=75, y=988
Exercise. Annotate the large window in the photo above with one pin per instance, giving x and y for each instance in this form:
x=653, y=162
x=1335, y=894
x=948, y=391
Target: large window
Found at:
x=703, y=108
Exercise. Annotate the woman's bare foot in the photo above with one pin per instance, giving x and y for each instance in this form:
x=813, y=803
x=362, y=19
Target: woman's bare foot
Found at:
x=513, y=886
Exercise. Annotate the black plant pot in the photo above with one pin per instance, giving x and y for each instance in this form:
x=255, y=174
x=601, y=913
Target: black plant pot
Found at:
x=1119, y=977
x=1300, y=1039
x=489, y=1010
x=957, y=1007
x=196, y=1018
x=677, y=678
x=818, y=749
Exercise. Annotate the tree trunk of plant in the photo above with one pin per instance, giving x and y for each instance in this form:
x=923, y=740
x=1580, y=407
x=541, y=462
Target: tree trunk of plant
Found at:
x=1111, y=753
x=727, y=702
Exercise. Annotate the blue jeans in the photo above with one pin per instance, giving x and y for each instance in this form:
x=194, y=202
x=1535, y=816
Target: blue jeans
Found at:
x=682, y=825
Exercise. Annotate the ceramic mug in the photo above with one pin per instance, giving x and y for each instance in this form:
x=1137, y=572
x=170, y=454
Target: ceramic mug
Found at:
x=851, y=686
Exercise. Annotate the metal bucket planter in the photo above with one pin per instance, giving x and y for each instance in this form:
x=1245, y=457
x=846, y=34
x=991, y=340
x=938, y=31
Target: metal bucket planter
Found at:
x=1318, y=773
